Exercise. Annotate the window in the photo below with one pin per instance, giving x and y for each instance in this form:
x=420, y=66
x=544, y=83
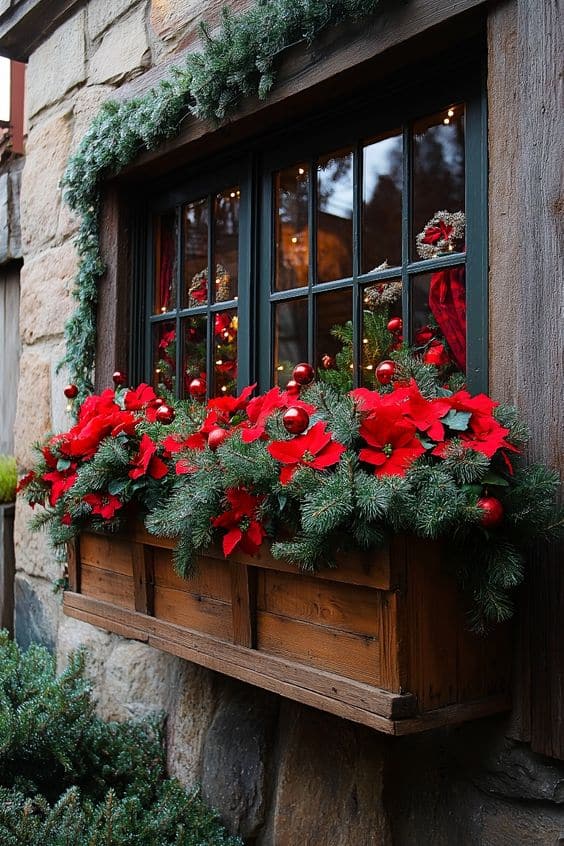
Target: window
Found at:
x=325, y=246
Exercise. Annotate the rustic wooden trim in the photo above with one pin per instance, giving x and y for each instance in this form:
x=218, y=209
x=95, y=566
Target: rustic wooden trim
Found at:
x=449, y=715
x=524, y=140
x=243, y=604
x=143, y=578
x=17, y=111
x=236, y=660
x=113, y=317
x=73, y=564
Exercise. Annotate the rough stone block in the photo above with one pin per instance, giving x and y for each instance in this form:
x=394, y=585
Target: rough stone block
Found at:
x=46, y=301
x=46, y=158
x=33, y=414
x=513, y=824
x=237, y=749
x=174, y=22
x=74, y=635
x=190, y=715
x=57, y=65
x=124, y=50
x=137, y=681
x=102, y=14
x=37, y=611
x=330, y=783
x=33, y=553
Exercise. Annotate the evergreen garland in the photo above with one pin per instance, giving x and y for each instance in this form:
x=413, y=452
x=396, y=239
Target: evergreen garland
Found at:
x=238, y=62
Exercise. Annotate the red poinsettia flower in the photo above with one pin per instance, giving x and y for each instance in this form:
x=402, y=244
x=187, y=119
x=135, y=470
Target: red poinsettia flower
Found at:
x=426, y=414
x=66, y=519
x=436, y=354
x=146, y=463
x=25, y=481
x=142, y=398
x=105, y=505
x=392, y=442
x=227, y=406
x=484, y=433
x=262, y=407
x=315, y=448
x=200, y=294
x=440, y=232
x=167, y=339
x=83, y=440
x=243, y=528
x=61, y=481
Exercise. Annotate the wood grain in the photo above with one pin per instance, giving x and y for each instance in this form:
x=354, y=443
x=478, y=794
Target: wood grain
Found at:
x=212, y=579
x=73, y=564
x=243, y=604
x=143, y=578
x=526, y=328
x=106, y=552
x=107, y=585
x=194, y=612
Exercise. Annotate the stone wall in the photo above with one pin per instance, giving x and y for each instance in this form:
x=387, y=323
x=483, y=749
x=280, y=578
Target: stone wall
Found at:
x=281, y=774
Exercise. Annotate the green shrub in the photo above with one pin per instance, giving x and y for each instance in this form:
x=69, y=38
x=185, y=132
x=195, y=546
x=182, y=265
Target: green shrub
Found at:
x=8, y=478
x=68, y=778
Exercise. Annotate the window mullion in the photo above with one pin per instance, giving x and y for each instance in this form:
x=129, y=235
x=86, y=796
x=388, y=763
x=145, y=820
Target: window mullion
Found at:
x=178, y=323
x=312, y=224
x=357, y=252
x=406, y=218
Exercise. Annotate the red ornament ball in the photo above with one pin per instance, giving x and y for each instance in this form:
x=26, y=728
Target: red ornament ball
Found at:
x=216, y=437
x=328, y=361
x=385, y=372
x=197, y=388
x=395, y=325
x=119, y=378
x=158, y=402
x=295, y=420
x=292, y=388
x=492, y=511
x=164, y=414
x=303, y=374
x=70, y=391
x=424, y=335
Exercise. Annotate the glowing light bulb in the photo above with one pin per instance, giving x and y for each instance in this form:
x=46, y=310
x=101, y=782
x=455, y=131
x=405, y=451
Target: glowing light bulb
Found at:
x=163, y=309
x=224, y=388
x=69, y=407
x=158, y=371
x=446, y=121
x=351, y=366
x=294, y=239
x=280, y=368
x=219, y=362
x=365, y=340
x=232, y=194
x=369, y=367
x=450, y=113
x=301, y=171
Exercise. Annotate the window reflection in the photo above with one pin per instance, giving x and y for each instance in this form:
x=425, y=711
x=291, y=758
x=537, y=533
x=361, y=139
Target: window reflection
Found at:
x=195, y=217
x=290, y=338
x=225, y=330
x=226, y=244
x=291, y=190
x=382, y=326
x=164, y=356
x=194, y=331
x=381, y=202
x=334, y=216
x=165, y=235
x=438, y=167
x=438, y=313
x=334, y=357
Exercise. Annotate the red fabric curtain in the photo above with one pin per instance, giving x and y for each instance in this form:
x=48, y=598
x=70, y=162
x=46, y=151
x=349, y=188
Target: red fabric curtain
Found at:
x=447, y=302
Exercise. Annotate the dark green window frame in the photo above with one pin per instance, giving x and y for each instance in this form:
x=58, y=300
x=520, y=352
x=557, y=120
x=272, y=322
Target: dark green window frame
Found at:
x=254, y=173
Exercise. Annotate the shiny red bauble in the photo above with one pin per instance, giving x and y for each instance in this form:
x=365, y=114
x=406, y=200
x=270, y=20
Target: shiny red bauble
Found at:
x=292, y=388
x=164, y=414
x=424, y=335
x=197, y=388
x=328, y=361
x=158, y=402
x=295, y=420
x=395, y=324
x=492, y=511
x=303, y=374
x=119, y=378
x=385, y=372
x=70, y=391
x=216, y=437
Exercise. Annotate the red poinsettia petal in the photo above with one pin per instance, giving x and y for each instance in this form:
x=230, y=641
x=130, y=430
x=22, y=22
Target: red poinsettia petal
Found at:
x=328, y=456
x=157, y=468
x=372, y=456
x=230, y=540
x=287, y=472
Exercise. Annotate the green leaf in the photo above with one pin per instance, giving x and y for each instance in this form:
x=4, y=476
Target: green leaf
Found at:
x=457, y=420
x=495, y=479
x=63, y=464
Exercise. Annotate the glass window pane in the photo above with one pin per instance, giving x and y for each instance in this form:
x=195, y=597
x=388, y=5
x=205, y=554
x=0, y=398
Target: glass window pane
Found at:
x=226, y=243
x=334, y=216
x=225, y=352
x=333, y=337
x=291, y=190
x=195, y=221
x=381, y=202
x=438, y=167
x=164, y=356
x=194, y=331
x=381, y=308
x=164, y=298
x=438, y=314
x=290, y=338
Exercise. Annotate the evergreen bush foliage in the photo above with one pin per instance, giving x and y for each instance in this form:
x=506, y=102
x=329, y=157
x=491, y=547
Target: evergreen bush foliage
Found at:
x=68, y=778
x=8, y=478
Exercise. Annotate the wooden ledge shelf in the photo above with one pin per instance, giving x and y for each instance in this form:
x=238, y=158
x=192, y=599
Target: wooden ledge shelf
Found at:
x=380, y=640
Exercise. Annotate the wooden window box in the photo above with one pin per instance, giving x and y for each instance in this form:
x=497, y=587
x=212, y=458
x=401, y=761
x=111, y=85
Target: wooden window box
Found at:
x=381, y=640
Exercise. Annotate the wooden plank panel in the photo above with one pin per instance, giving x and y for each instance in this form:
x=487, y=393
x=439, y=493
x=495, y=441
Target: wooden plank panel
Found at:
x=205, y=615
x=352, y=656
x=345, y=607
x=143, y=582
x=212, y=578
x=484, y=662
x=73, y=564
x=207, y=649
x=243, y=604
x=107, y=585
x=393, y=674
x=106, y=553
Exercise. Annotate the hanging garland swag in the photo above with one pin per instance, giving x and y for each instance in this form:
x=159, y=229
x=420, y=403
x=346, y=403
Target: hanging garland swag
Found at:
x=238, y=62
